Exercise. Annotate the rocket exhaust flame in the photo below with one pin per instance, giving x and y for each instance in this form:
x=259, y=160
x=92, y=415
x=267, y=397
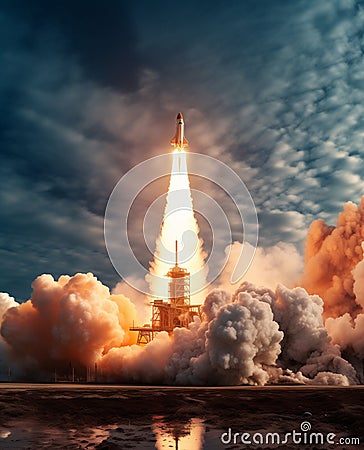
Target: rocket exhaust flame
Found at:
x=179, y=224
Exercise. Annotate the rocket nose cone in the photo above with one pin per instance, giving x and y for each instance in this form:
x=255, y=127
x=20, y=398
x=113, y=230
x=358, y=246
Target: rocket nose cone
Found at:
x=179, y=116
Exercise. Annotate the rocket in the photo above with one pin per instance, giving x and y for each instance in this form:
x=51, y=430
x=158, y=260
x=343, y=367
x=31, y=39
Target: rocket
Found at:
x=178, y=140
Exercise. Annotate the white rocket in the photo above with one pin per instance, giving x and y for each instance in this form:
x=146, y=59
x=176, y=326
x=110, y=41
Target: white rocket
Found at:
x=179, y=141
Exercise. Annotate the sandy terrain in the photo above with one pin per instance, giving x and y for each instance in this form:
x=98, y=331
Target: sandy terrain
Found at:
x=118, y=417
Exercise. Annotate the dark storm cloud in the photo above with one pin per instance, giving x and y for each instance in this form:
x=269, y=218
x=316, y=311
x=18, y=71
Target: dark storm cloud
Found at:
x=87, y=90
x=99, y=35
x=52, y=54
x=59, y=164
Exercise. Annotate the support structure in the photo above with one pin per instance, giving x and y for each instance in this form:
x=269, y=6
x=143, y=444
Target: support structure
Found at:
x=176, y=312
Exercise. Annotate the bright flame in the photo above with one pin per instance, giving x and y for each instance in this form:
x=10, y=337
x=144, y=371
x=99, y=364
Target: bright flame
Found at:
x=179, y=224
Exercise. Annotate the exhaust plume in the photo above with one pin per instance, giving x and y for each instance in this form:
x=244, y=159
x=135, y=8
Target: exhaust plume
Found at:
x=179, y=224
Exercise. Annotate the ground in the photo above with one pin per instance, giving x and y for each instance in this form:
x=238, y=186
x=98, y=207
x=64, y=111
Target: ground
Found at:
x=121, y=417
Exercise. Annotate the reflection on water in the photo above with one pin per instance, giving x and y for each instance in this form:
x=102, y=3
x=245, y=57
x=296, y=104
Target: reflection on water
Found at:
x=30, y=433
x=4, y=433
x=160, y=433
x=178, y=435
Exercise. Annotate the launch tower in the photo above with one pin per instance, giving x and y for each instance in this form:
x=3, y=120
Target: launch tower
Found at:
x=176, y=312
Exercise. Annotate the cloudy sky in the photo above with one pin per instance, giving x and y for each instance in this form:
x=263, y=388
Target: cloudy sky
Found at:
x=88, y=89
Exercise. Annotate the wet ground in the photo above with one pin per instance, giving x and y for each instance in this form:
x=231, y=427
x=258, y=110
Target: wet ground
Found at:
x=122, y=417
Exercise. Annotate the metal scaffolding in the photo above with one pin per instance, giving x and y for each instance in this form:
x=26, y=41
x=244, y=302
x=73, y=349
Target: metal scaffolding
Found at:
x=176, y=312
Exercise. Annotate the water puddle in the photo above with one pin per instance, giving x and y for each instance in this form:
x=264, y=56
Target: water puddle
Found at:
x=160, y=434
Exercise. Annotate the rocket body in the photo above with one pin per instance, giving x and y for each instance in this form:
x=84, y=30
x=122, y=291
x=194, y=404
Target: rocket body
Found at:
x=179, y=141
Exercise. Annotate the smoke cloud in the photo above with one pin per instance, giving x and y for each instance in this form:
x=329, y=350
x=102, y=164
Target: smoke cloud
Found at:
x=6, y=302
x=348, y=332
x=280, y=263
x=308, y=334
x=233, y=344
x=331, y=255
x=72, y=321
x=256, y=336
x=334, y=269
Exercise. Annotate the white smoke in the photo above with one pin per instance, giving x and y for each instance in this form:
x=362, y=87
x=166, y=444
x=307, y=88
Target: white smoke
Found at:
x=234, y=344
x=6, y=302
x=239, y=341
x=306, y=346
x=280, y=263
x=135, y=364
x=300, y=318
x=347, y=332
x=243, y=340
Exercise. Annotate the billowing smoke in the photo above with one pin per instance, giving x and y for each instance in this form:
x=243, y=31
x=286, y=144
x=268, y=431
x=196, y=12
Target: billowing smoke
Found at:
x=72, y=321
x=348, y=332
x=332, y=253
x=236, y=342
x=255, y=335
x=334, y=269
x=307, y=345
x=306, y=348
x=278, y=264
x=141, y=301
x=6, y=302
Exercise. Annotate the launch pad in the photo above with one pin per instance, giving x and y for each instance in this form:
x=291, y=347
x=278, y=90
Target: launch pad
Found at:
x=176, y=312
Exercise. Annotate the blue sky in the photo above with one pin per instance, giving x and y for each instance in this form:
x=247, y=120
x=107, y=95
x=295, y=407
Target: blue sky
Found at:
x=89, y=89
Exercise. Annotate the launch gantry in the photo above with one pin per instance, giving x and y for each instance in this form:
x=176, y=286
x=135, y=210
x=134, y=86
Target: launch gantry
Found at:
x=176, y=312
